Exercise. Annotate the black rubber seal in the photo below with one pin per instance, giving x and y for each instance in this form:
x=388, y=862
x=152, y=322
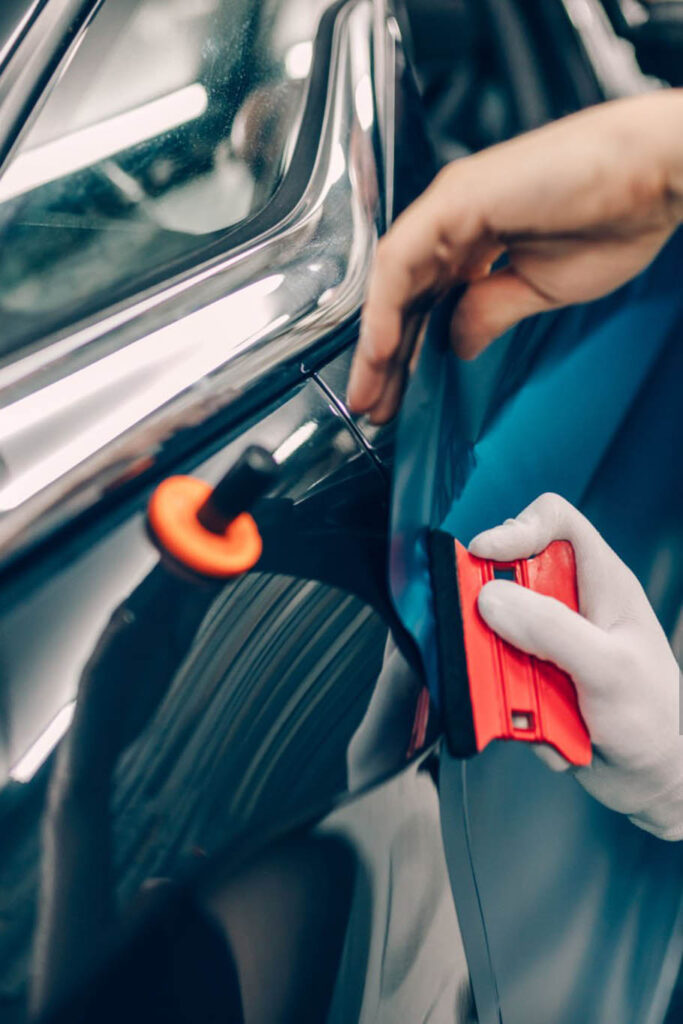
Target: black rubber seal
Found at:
x=456, y=704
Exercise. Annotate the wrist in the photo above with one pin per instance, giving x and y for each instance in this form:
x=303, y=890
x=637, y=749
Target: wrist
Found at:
x=646, y=135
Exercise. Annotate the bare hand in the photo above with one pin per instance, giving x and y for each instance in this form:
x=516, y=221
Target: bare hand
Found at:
x=579, y=207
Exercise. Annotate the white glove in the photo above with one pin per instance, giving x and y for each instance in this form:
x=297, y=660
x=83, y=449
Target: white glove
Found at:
x=624, y=670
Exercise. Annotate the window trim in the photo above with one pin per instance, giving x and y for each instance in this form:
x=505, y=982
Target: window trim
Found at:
x=45, y=39
x=157, y=280
x=329, y=202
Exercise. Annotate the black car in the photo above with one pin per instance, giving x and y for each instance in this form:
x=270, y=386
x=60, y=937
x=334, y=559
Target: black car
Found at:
x=219, y=790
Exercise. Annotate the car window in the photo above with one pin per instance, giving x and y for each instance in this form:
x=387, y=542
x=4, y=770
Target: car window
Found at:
x=174, y=121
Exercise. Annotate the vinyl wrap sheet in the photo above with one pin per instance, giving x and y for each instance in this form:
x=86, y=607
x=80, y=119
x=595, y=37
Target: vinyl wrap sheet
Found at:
x=568, y=912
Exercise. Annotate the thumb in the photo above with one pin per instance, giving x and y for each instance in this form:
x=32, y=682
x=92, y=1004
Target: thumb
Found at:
x=490, y=306
x=548, y=629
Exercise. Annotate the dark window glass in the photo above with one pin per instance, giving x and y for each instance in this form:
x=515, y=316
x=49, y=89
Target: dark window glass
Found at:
x=174, y=121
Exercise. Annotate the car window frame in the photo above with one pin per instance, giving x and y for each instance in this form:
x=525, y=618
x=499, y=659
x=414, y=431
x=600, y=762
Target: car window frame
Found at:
x=220, y=243
x=322, y=320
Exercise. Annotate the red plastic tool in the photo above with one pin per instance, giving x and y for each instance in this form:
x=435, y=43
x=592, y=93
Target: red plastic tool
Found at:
x=511, y=695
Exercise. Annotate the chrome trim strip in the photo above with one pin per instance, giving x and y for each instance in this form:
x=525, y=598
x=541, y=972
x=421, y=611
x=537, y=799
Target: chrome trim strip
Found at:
x=47, y=38
x=97, y=408
x=387, y=38
x=15, y=34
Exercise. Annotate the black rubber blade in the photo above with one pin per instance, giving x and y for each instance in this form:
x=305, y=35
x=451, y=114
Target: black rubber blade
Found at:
x=456, y=705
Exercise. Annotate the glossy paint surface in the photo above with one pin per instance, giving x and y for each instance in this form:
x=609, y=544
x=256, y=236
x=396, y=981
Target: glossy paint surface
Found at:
x=216, y=717
x=157, y=728
x=132, y=384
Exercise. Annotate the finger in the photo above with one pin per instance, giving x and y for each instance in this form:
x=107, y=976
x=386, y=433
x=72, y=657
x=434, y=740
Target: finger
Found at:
x=396, y=373
x=390, y=399
x=378, y=345
x=490, y=306
x=367, y=381
x=419, y=342
x=551, y=758
x=549, y=630
x=419, y=257
x=397, y=278
x=606, y=586
x=550, y=517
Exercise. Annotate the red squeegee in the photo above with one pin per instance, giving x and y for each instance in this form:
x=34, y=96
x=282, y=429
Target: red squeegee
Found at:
x=489, y=689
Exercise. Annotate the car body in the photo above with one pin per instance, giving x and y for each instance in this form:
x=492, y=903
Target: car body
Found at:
x=261, y=738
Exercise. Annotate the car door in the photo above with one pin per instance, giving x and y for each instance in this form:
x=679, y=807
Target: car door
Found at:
x=188, y=216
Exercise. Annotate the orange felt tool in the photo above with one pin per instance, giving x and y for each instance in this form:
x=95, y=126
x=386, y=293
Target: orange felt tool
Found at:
x=173, y=517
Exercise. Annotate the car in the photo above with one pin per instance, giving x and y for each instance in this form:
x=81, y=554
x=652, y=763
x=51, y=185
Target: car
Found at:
x=210, y=781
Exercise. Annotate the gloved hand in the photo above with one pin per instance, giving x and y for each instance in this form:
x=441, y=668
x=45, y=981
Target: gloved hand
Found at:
x=616, y=652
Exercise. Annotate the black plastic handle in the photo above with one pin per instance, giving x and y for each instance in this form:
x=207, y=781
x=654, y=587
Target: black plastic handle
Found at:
x=251, y=476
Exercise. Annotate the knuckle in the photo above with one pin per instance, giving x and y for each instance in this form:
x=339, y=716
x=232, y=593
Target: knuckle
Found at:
x=551, y=504
x=393, y=268
x=445, y=256
x=613, y=664
x=452, y=176
x=447, y=175
x=622, y=662
x=552, y=513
